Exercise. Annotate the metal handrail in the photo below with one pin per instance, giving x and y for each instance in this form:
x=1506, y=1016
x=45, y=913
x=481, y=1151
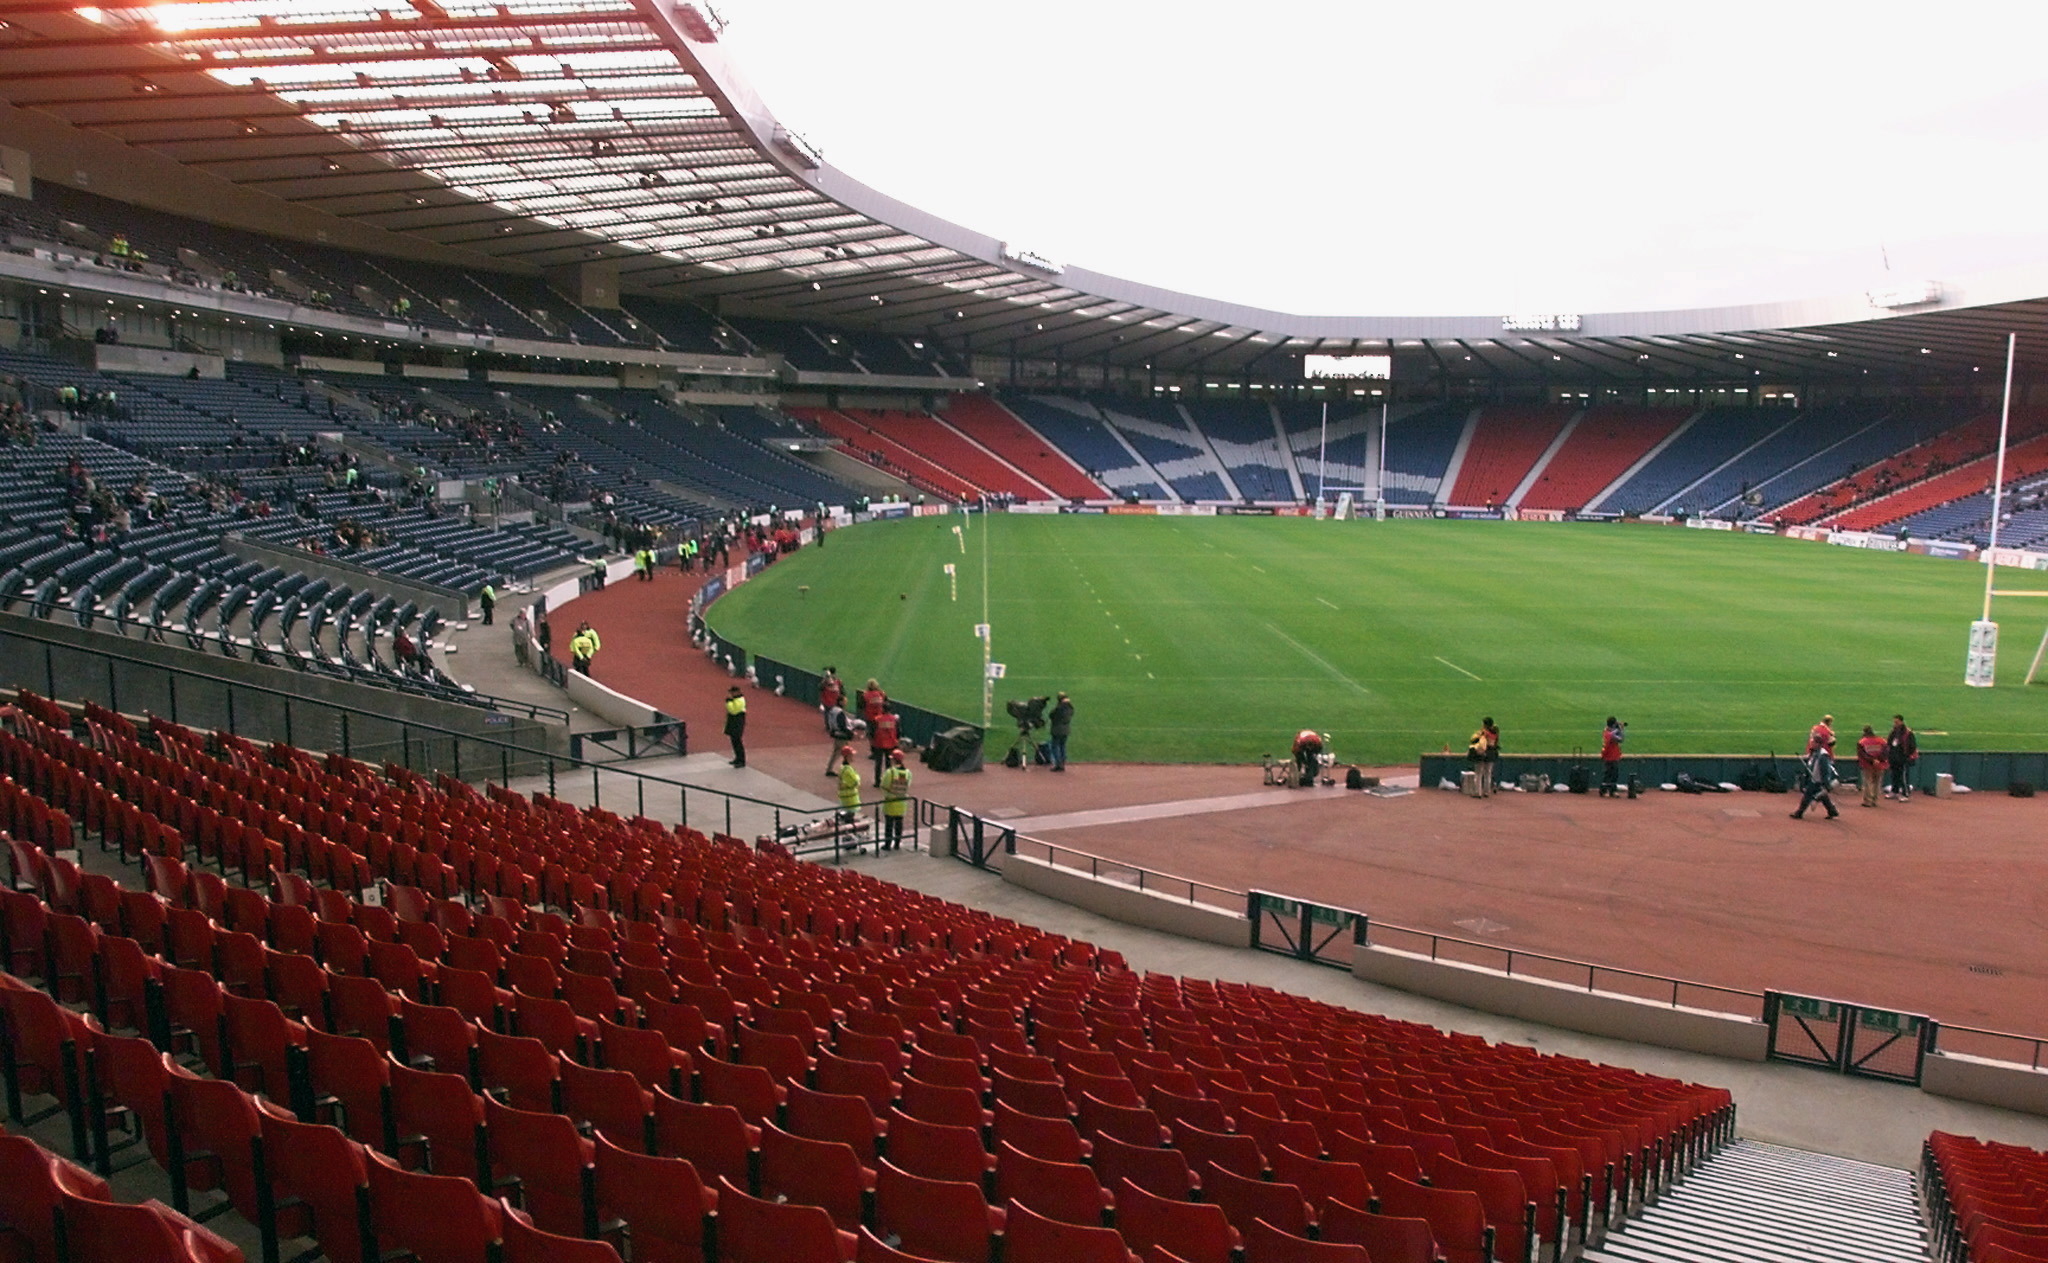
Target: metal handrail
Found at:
x=1149, y=880
x=1593, y=969
x=308, y=662
x=2035, y=1043
x=416, y=734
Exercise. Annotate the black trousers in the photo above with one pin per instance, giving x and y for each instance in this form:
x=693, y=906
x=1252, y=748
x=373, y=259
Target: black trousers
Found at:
x=739, y=747
x=1611, y=778
x=1817, y=792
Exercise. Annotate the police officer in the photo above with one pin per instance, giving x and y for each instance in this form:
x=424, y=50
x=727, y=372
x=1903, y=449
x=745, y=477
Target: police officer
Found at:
x=736, y=724
x=895, y=801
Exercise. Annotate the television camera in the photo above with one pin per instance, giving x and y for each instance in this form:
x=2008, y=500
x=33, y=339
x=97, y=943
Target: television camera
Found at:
x=1029, y=712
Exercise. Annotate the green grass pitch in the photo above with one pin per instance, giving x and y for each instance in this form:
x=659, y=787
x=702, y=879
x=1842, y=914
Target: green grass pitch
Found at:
x=1215, y=639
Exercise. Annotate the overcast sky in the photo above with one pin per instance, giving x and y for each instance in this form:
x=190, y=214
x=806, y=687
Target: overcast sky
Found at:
x=1440, y=158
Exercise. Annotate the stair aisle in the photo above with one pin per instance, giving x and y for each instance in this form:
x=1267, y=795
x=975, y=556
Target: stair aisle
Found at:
x=1759, y=1203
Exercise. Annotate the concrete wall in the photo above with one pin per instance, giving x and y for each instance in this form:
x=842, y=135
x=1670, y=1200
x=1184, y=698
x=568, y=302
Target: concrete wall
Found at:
x=609, y=704
x=1999, y=1083
x=1573, y=1008
x=1128, y=904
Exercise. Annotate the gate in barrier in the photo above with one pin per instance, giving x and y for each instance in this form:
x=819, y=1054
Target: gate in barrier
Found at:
x=1852, y=1039
x=1305, y=931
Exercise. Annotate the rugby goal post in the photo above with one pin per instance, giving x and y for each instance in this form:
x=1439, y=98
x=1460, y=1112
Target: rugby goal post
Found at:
x=1980, y=667
x=1345, y=369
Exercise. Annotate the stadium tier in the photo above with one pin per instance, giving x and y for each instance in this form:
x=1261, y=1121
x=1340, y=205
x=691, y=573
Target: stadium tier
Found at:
x=804, y=1046
x=1604, y=444
x=1707, y=442
x=873, y=437
x=1004, y=433
x=1503, y=447
x=1078, y=429
x=1163, y=435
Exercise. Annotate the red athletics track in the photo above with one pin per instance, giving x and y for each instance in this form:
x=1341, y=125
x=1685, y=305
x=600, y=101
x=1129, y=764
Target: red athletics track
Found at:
x=1936, y=907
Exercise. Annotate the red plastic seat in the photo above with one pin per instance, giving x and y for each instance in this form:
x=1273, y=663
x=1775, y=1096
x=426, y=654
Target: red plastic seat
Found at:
x=520, y=1240
x=1195, y=1232
x=816, y=1173
x=297, y=984
x=1266, y=1244
x=553, y=1023
x=873, y=1249
x=519, y=1070
x=439, y=1218
x=1162, y=1172
x=935, y=1219
x=1246, y=1198
x=471, y=993
x=151, y=1232
x=1456, y=1217
x=257, y=1035
x=318, y=1174
x=611, y=1101
x=938, y=1151
x=1174, y=1109
x=751, y=1090
x=1052, y=1138
x=1322, y=1182
x=1272, y=1133
x=751, y=1230
x=211, y=1124
x=936, y=1103
x=1134, y=1125
x=1386, y=1238
x=1066, y=1191
x=436, y=1116
x=714, y=1138
x=45, y=1046
x=868, y=1080
x=434, y=1036
x=553, y=1167
x=32, y=1184
x=360, y=1007
x=826, y=1116
x=1029, y=1237
x=645, y=1054
x=132, y=1076
x=664, y=1204
x=350, y=1075
x=400, y=968
x=122, y=972
x=952, y=1072
x=1501, y=1193
x=782, y=1056
x=70, y=945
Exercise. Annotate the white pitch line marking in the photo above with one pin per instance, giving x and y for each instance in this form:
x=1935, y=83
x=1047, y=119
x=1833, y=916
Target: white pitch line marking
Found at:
x=1331, y=604
x=1318, y=659
x=1455, y=667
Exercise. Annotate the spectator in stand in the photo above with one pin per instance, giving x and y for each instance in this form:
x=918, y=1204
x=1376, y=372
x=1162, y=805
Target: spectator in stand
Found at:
x=545, y=634
x=522, y=633
x=1902, y=751
x=404, y=651
x=1870, y=764
x=1610, y=757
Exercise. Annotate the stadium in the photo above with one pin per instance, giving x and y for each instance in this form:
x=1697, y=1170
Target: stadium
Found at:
x=435, y=431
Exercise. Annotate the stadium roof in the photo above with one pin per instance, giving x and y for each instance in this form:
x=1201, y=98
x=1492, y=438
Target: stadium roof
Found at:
x=553, y=133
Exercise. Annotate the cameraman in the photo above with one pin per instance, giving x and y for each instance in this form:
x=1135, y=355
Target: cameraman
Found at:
x=1308, y=757
x=1062, y=722
x=1610, y=756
